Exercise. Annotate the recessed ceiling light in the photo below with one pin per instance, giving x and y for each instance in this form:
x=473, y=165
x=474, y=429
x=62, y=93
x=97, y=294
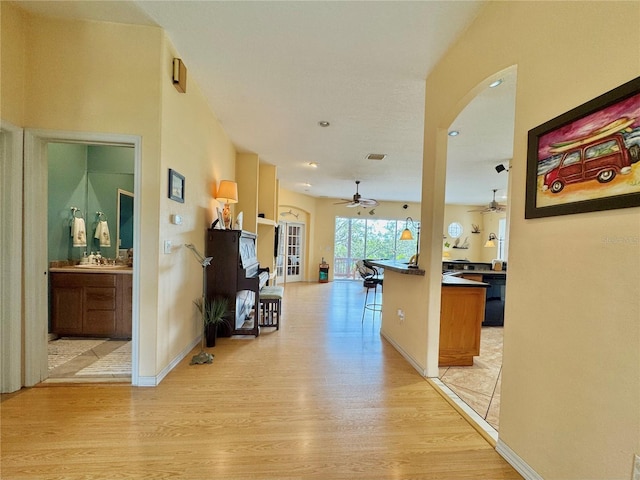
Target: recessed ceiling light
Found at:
x=313, y=164
x=453, y=133
x=495, y=83
x=376, y=156
x=323, y=123
x=306, y=184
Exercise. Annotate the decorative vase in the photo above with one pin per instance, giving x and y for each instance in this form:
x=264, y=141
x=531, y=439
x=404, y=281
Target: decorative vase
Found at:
x=211, y=332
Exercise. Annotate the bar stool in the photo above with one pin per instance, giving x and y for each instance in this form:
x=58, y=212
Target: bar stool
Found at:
x=370, y=279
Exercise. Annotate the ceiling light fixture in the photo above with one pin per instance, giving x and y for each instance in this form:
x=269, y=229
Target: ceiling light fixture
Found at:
x=313, y=164
x=323, y=123
x=306, y=184
x=495, y=83
x=454, y=133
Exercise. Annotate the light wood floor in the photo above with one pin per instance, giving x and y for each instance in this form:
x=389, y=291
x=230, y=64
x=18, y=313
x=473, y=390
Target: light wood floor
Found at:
x=322, y=398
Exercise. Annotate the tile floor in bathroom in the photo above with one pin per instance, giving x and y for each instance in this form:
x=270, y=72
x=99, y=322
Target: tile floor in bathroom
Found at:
x=479, y=385
x=89, y=360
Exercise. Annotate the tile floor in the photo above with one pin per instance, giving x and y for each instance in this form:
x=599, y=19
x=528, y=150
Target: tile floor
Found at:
x=89, y=360
x=479, y=385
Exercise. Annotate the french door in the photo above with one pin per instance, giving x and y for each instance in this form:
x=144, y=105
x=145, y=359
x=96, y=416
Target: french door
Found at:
x=290, y=252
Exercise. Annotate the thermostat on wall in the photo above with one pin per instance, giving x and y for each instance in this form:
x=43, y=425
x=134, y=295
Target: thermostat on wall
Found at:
x=176, y=219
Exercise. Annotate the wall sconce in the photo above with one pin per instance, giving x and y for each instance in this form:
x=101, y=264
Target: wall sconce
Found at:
x=179, y=75
x=227, y=193
x=491, y=241
x=406, y=235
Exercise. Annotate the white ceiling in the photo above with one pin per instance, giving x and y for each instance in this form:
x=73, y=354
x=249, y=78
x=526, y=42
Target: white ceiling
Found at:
x=272, y=70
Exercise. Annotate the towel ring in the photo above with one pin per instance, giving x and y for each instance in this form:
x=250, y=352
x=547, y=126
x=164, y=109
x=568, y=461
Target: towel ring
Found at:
x=75, y=212
x=101, y=216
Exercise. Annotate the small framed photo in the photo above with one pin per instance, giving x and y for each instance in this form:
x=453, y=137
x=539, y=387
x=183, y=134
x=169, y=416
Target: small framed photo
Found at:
x=587, y=159
x=176, y=186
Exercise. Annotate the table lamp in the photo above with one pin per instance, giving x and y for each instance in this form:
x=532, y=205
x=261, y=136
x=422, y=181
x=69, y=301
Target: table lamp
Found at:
x=227, y=193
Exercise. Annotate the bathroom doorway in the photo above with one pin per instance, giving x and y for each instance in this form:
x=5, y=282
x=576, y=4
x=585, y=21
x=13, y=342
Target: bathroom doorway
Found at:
x=36, y=248
x=89, y=189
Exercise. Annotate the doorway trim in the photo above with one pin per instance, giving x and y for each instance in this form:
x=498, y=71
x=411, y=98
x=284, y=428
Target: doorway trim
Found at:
x=11, y=257
x=35, y=265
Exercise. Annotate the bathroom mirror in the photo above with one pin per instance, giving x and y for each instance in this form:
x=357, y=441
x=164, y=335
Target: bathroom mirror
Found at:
x=124, y=222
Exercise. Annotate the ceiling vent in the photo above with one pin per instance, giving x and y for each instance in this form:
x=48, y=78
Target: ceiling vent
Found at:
x=376, y=156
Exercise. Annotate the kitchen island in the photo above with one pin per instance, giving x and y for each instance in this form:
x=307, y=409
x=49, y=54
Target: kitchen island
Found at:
x=462, y=305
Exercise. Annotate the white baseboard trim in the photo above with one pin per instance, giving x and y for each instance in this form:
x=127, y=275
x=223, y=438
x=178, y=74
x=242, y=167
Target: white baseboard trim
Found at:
x=516, y=462
x=421, y=370
x=155, y=381
x=483, y=427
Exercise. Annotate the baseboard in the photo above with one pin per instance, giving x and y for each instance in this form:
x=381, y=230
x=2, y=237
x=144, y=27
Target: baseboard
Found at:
x=421, y=370
x=483, y=427
x=516, y=462
x=155, y=381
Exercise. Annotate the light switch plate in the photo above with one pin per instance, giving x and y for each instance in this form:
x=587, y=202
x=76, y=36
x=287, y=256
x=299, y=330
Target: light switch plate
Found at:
x=167, y=246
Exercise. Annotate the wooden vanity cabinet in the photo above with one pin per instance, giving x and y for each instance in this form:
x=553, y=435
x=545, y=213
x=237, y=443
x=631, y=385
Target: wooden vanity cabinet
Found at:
x=91, y=304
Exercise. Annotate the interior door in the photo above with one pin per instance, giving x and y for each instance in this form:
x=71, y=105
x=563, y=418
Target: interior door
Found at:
x=280, y=270
x=294, y=252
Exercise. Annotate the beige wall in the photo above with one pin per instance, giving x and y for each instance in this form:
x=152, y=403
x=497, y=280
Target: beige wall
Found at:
x=195, y=145
x=114, y=78
x=487, y=222
x=12, y=59
x=306, y=208
x=570, y=405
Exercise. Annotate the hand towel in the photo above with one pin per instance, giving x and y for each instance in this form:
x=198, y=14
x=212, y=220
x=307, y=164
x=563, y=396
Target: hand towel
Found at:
x=102, y=233
x=79, y=233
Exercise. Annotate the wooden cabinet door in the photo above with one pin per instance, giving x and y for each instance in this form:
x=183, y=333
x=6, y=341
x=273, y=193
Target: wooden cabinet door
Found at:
x=461, y=315
x=125, y=306
x=66, y=310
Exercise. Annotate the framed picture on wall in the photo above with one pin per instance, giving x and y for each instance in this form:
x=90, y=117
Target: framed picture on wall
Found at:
x=176, y=186
x=587, y=159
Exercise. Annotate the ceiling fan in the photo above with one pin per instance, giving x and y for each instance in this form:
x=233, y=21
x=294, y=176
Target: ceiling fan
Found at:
x=358, y=201
x=492, y=207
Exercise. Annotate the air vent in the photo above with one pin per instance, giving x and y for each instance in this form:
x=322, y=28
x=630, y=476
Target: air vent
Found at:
x=376, y=156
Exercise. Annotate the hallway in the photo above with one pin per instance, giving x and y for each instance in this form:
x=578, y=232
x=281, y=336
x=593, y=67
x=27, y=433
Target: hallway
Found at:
x=324, y=397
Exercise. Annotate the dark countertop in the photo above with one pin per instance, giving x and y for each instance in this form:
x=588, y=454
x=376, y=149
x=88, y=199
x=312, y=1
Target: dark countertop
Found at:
x=455, y=281
x=397, y=267
x=496, y=273
x=447, y=280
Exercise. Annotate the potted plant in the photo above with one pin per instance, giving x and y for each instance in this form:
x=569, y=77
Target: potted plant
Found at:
x=213, y=314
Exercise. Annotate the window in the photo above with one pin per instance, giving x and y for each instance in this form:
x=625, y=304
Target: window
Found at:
x=602, y=149
x=572, y=158
x=357, y=238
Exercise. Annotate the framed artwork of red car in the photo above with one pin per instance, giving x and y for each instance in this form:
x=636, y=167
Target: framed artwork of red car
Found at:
x=587, y=159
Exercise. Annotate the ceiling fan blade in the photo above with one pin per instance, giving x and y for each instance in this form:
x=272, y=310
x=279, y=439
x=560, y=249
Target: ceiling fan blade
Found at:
x=353, y=204
x=368, y=202
x=343, y=201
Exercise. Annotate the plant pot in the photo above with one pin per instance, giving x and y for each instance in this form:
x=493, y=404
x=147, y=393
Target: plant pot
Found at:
x=211, y=332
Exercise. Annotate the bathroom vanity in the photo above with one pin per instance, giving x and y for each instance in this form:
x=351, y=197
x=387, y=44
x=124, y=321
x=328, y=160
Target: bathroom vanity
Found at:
x=91, y=302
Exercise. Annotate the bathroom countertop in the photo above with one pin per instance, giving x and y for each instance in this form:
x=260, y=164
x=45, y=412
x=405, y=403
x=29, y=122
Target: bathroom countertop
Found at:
x=119, y=269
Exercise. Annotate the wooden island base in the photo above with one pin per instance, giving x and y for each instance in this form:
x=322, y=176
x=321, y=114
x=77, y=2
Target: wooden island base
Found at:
x=461, y=316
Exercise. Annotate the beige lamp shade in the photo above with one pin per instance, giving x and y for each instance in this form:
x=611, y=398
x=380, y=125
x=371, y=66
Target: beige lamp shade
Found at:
x=491, y=242
x=227, y=192
x=406, y=235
